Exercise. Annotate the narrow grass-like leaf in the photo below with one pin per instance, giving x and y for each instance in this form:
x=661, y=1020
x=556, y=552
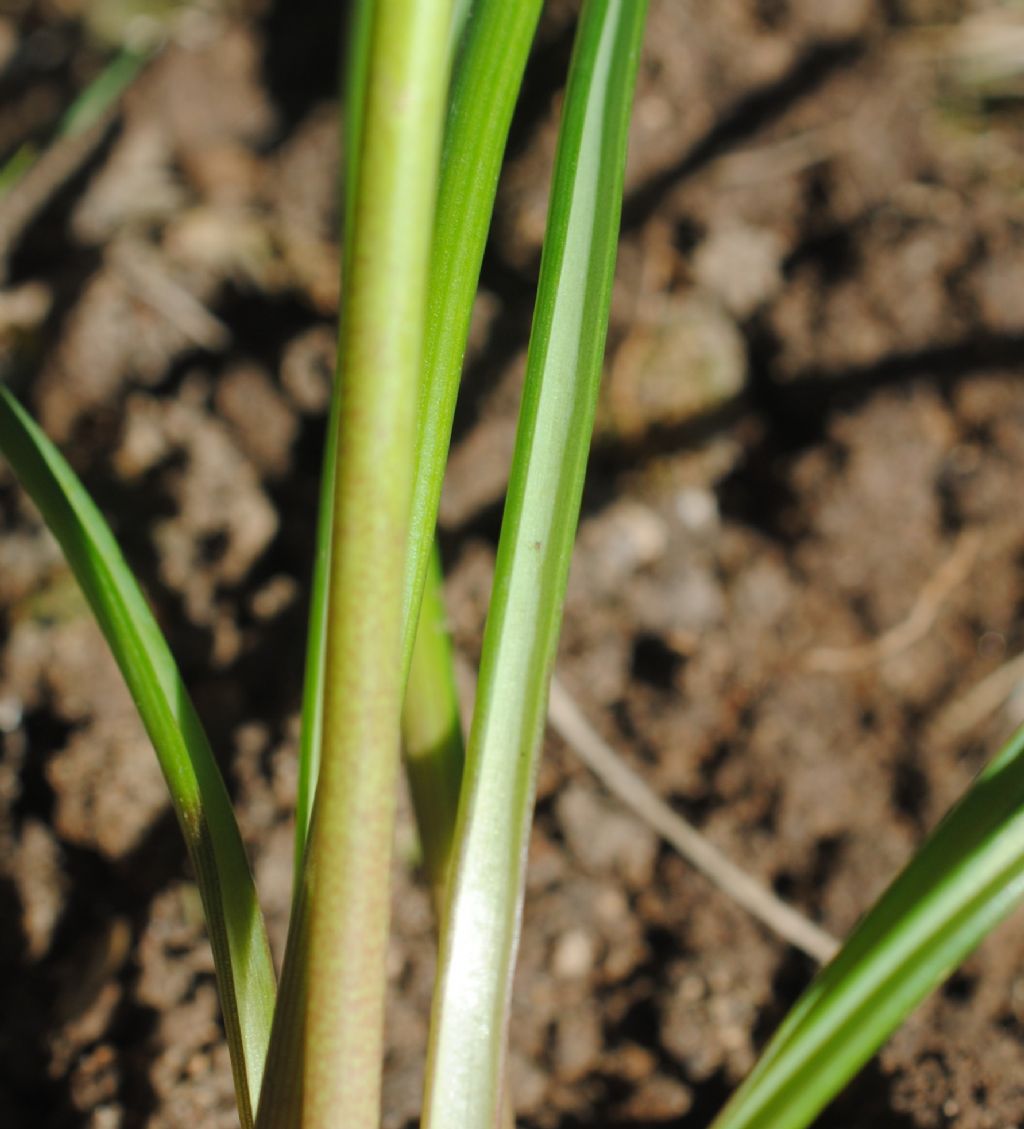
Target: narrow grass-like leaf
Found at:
x=485, y=85
x=104, y=90
x=495, y=40
x=964, y=880
x=245, y=975
x=480, y=930
x=311, y=734
x=432, y=733
x=490, y=43
x=85, y=112
x=339, y=939
x=460, y=17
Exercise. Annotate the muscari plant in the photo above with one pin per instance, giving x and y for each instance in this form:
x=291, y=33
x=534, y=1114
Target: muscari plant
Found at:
x=430, y=91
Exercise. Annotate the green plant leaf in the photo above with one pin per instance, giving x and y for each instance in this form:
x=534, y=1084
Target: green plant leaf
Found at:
x=313, y=690
x=326, y=1055
x=245, y=975
x=481, y=925
x=491, y=61
x=495, y=41
x=964, y=880
x=461, y=10
x=490, y=42
x=86, y=111
x=432, y=734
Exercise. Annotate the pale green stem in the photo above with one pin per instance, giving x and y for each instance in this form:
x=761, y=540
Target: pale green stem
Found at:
x=495, y=41
x=311, y=736
x=344, y=913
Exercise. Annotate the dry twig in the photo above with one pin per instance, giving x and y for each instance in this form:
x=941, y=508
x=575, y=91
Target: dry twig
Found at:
x=983, y=699
x=627, y=786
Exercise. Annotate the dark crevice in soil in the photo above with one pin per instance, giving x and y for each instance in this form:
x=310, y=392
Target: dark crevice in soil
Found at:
x=262, y=325
x=751, y=113
x=960, y=987
x=828, y=854
x=46, y=732
x=611, y=454
x=45, y=53
x=832, y=250
x=805, y=887
x=300, y=57
x=655, y=662
x=510, y=330
x=99, y=890
x=796, y=413
x=792, y=976
x=866, y=1104
x=484, y=525
x=911, y=793
x=27, y=1092
x=709, y=1097
x=135, y=1026
x=69, y=278
x=772, y=15
x=811, y=396
x=41, y=248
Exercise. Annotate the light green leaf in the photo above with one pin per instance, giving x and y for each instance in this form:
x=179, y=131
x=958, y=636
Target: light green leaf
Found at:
x=964, y=880
x=432, y=734
x=485, y=86
x=480, y=930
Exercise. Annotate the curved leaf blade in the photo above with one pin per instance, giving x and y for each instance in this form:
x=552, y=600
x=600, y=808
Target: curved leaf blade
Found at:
x=245, y=974
x=964, y=880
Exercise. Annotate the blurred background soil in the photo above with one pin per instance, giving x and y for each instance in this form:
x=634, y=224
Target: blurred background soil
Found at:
x=801, y=548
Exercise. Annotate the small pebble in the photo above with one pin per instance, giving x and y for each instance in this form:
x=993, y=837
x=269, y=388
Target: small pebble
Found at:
x=573, y=956
x=611, y=904
x=693, y=988
x=10, y=713
x=697, y=510
x=741, y=266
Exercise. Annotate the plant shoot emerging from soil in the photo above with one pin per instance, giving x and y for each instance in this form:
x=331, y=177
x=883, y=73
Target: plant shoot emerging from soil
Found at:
x=431, y=87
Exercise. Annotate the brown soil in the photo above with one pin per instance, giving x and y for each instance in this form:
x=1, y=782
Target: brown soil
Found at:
x=812, y=429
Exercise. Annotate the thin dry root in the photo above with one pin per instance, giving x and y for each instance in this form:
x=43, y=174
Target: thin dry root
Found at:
x=953, y=572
